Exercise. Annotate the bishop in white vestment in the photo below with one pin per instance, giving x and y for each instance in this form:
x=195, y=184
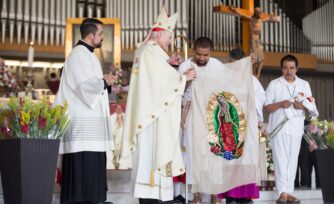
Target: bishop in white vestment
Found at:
x=152, y=119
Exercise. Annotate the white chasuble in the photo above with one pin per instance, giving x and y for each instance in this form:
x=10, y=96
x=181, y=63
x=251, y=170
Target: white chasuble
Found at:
x=225, y=132
x=152, y=122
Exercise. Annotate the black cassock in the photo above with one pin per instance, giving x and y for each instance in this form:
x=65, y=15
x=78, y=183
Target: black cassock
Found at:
x=84, y=177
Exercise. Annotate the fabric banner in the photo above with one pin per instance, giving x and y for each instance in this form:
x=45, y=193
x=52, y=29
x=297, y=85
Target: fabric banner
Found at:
x=225, y=133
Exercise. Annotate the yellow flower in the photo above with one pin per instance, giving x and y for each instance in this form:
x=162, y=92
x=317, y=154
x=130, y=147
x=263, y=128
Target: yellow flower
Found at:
x=25, y=117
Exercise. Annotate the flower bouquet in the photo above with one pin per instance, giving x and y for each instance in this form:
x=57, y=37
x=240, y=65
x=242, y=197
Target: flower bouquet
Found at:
x=320, y=136
x=29, y=146
x=116, y=87
x=330, y=135
x=24, y=118
x=316, y=134
x=8, y=82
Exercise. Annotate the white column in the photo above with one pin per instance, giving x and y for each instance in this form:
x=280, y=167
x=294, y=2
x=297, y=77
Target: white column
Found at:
x=3, y=20
x=33, y=19
x=11, y=17
x=136, y=22
x=26, y=18
x=126, y=17
x=19, y=18
x=276, y=31
x=39, y=21
x=58, y=21
x=52, y=21
x=63, y=21
x=280, y=43
x=131, y=23
x=46, y=22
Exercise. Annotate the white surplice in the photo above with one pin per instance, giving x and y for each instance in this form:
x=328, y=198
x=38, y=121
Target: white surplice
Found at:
x=82, y=87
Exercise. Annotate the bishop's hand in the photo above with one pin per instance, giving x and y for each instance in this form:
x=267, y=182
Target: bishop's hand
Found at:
x=190, y=74
x=175, y=59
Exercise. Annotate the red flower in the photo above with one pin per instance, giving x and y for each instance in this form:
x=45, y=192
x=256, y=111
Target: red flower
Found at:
x=215, y=149
x=238, y=153
x=5, y=131
x=41, y=122
x=25, y=128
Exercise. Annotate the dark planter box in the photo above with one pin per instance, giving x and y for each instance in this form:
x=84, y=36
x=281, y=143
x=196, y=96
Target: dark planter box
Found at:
x=28, y=169
x=325, y=165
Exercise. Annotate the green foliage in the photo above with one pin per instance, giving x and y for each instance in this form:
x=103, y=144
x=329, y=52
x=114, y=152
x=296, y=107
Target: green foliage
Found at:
x=24, y=118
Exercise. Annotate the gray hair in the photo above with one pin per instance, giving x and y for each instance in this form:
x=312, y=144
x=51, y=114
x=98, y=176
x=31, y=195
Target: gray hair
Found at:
x=155, y=34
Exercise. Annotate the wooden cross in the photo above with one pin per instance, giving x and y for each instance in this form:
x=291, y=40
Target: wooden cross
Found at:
x=246, y=10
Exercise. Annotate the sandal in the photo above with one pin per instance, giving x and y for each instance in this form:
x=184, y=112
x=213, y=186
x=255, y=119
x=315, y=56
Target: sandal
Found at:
x=280, y=201
x=215, y=200
x=197, y=198
x=292, y=199
x=283, y=199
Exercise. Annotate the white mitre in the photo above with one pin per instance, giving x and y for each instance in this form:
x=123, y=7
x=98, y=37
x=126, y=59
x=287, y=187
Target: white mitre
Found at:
x=165, y=22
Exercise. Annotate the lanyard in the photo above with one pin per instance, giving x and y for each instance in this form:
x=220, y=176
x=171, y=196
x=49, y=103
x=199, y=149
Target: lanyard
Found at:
x=293, y=93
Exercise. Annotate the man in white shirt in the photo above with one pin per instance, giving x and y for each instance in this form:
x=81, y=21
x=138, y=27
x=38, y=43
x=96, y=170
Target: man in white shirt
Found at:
x=202, y=48
x=287, y=97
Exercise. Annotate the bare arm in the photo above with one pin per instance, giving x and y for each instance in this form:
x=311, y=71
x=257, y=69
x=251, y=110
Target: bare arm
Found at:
x=275, y=106
x=271, y=18
x=240, y=12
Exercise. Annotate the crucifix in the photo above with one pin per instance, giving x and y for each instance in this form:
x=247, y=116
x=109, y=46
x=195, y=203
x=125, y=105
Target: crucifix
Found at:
x=252, y=19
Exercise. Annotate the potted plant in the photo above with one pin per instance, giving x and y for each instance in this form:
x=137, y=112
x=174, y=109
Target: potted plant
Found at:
x=320, y=137
x=29, y=144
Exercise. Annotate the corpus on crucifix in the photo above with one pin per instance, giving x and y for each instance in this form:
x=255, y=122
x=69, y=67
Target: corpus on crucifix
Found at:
x=252, y=25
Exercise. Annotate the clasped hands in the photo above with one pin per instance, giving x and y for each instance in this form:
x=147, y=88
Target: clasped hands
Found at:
x=110, y=78
x=296, y=104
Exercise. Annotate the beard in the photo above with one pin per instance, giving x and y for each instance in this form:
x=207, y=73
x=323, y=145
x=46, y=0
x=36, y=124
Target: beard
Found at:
x=99, y=45
x=201, y=63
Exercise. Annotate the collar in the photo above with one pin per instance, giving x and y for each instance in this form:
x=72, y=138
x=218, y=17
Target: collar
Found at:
x=284, y=81
x=90, y=48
